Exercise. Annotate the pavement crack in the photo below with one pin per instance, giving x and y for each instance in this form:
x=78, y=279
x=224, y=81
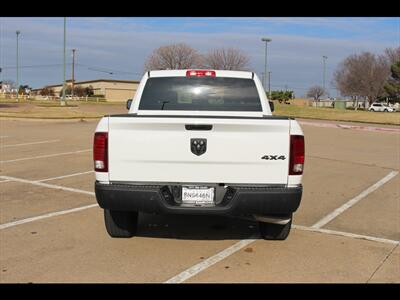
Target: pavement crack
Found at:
x=380, y=265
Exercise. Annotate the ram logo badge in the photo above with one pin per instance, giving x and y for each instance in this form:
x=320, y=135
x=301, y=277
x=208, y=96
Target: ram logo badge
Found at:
x=198, y=146
x=274, y=157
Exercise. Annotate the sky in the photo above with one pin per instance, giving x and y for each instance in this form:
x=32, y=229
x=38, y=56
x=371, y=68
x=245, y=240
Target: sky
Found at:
x=121, y=45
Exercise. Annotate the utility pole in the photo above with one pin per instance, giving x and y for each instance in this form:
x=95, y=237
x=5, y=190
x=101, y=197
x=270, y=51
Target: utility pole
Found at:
x=269, y=84
x=73, y=72
x=266, y=40
x=17, y=32
x=62, y=103
x=324, y=74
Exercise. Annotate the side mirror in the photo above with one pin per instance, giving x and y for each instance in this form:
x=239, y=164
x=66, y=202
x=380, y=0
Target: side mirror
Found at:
x=128, y=104
x=271, y=105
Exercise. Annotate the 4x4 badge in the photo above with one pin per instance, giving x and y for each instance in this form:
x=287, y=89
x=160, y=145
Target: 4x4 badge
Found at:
x=198, y=146
x=274, y=157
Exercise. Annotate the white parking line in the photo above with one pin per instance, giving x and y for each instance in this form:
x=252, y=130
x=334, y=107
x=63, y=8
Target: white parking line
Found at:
x=316, y=227
x=54, y=178
x=32, y=143
x=236, y=247
x=192, y=271
x=49, y=215
x=44, y=156
x=353, y=201
x=347, y=234
x=64, y=176
x=50, y=186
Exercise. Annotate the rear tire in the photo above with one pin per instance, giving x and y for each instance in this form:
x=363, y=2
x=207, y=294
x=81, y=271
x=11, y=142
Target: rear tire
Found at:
x=121, y=224
x=270, y=231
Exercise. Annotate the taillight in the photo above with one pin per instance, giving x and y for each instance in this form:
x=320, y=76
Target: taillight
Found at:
x=100, y=152
x=200, y=73
x=296, y=163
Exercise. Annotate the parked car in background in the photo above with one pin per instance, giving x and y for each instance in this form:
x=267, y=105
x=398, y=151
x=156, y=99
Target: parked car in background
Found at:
x=376, y=106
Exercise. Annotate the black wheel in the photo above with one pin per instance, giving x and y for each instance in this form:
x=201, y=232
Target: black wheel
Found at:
x=121, y=224
x=270, y=231
x=385, y=110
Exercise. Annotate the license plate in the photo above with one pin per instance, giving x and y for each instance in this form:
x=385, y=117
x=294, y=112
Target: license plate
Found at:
x=197, y=195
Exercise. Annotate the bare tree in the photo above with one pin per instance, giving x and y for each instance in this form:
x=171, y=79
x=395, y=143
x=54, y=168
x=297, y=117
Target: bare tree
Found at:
x=226, y=59
x=363, y=75
x=316, y=92
x=176, y=56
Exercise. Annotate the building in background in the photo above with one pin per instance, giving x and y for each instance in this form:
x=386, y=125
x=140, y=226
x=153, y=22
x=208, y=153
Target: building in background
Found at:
x=112, y=90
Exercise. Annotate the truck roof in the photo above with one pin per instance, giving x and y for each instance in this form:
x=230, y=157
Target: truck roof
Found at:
x=218, y=73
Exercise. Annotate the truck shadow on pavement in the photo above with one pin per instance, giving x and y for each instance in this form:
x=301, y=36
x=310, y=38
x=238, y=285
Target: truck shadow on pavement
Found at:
x=192, y=227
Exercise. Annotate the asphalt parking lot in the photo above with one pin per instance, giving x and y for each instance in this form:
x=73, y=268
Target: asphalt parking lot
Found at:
x=347, y=228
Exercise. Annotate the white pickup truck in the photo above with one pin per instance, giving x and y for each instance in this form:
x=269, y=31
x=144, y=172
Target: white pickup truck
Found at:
x=199, y=142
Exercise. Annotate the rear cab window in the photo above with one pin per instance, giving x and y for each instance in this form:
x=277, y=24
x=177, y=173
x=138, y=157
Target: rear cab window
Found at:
x=200, y=94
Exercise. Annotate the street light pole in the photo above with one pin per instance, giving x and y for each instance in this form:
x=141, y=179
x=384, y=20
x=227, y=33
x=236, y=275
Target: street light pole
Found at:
x=324, y=74
x=266, y=40
x=62, y=103
x=269, y=84
x=73, y=72
x=17, y=32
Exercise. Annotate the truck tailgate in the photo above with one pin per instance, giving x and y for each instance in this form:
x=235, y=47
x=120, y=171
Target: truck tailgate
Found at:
x=158, y=149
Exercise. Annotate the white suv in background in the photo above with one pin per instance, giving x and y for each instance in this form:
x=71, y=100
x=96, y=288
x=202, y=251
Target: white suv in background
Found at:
x=380, y=107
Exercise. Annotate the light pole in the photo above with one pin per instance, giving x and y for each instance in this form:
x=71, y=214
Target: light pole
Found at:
x=18, y=33
x=62, y=103
x=269, y=84
x=266, y=40
x=324, y=74
x=73, y=72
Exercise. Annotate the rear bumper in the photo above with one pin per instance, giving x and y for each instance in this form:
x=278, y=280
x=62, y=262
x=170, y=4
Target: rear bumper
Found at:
x=237, y=200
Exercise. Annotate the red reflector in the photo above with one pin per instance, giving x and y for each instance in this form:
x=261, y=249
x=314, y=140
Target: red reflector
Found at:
x=100, y=151
x=296, y=163
x=200, y=73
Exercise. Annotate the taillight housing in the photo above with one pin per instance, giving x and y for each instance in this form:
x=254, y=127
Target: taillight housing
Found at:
x=200, y=73
x=296, y=162
x=100, y=151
